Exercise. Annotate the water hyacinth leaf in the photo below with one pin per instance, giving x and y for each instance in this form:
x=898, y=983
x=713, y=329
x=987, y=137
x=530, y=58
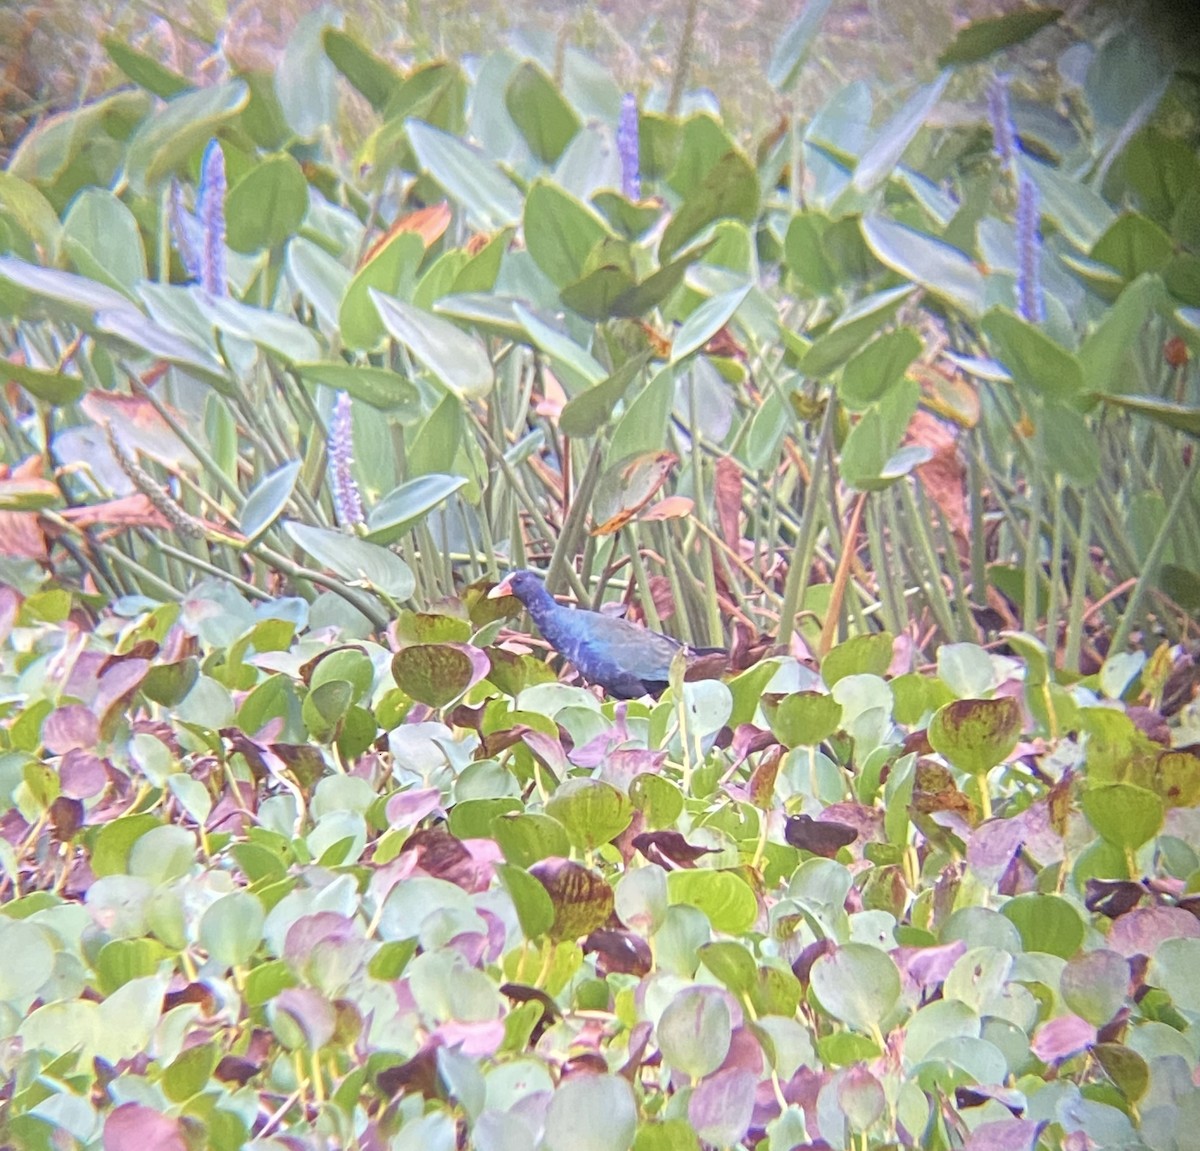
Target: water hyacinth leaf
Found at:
x=230, y=929
x=168, y=138
x=695, y=1030
x=1047, y=923
x=983, y=38
x=935, y=265
x=458, y=360
x=591, y=1113
x=884, y=153
x=1124, y=814
x=408, y=505
x=1094, y=985
x=582, y=899
x=589, y=411
x=30, y=961
x=1172, y=962
x=526, y=837
x=976, y=734
x=466, y=176
x=804, y=718
x=592, y=811
x=724, y=897
x=265, y=504
x=1125, y=1067
x=436, y=673
x=267, y=205
x=795, y=45
x=540, y=112
x=857, y=984
x=859, y=655
x=659, y=800
x=535, y=911
x=704, y=323
x=355, y=559
x=732, y=964
x=1032, y=357
x=560, y=232
x=380, y=387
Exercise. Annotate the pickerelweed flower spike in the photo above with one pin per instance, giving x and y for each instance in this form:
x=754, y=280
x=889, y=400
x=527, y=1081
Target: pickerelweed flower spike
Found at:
x=627, y=147
x=347, y=503
x=186, y=230
x=1030, y=304
x=211, y=209
x=1004, y=132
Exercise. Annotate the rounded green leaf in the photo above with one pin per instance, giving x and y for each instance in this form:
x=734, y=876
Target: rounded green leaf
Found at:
x=695, y=1030
x=1124, y=814
x=1095, y=985
x=231, y=929
x=267, y=205
x=436, y=673
x=591, y=1113
x=535, y=911
x=1046, y=922
x=857, y=984
x=592, y=811
x=976, y=734
x=726, y=898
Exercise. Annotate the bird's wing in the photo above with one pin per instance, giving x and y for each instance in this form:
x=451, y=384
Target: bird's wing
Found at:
x=635, y=650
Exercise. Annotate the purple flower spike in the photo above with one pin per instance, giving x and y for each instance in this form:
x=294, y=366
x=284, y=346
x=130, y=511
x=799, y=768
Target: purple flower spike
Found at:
x=1030, y=303
x=627, y=147
x=347, y=503
x=211, y=209
x=1004, y=132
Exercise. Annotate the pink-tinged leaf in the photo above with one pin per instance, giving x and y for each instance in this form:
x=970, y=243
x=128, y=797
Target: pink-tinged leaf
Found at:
x=1145, y=928
x=312, y=936
x=1063, y=1037
x=69, y=728
x=81, y=774
x=132, y=1127
x=860, y=1096
x=745, y=1053
x=444, y=856
x=138, y=425
x=313, y=1014
x=1005, y=1135
x=547, y=749
x=929, y=966
x=408, y=808
x=992, y=847
x=118, y=683
x=720, y=1108
x=478, y=1040
x=622, y=766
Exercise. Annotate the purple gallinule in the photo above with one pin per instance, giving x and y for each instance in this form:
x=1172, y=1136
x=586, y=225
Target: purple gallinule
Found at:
x=626, y=660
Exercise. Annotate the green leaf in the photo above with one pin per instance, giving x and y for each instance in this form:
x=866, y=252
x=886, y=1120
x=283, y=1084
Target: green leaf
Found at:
x=560, y=231
x=983, y=38
x=930, y=262
x=591, y=1113
x=305, y=78
x=1107, y=355
x=1047, y=923
x=267, y=205
x=230, y=929
x=467, y=176
x=795, y=45
x=535, y=911
x=704, y=323
x=380, y=387
x=406, y=506
x=355, y=559
x=459, y=361
x=857, y=984
x=852, y=330
x=590, y=410
x=1125, y=815
x=871, y=456
x=265, y=504
x=879, y=160
x=860, y=655
x=728, y=189
x=173, y=135
x=695, y=1030
x=1069, y=444
x=144, y=70
x=438, y=673
x=573, y=362
x=393, y=271
x=373, y=76
x=592, y=811
x=1133, y=245
x=526, y=838
x=53, y=388
x=102, y=237
x=540, y=112
x=881, y=364
x=1034, y=360
x=31, y=210
x=804, y=718
x=976, y=734
x=724, y=897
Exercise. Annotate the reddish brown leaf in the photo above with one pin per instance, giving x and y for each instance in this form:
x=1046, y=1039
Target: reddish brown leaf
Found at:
x=669, y=849
x=428, y=223
x=727, y=496
x=943, y=476
x=822, y=837
x=628, y=487
x=670, y=508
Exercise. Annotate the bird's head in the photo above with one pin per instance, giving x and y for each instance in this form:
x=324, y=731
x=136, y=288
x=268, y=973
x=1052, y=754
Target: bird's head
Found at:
x=523, y=584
